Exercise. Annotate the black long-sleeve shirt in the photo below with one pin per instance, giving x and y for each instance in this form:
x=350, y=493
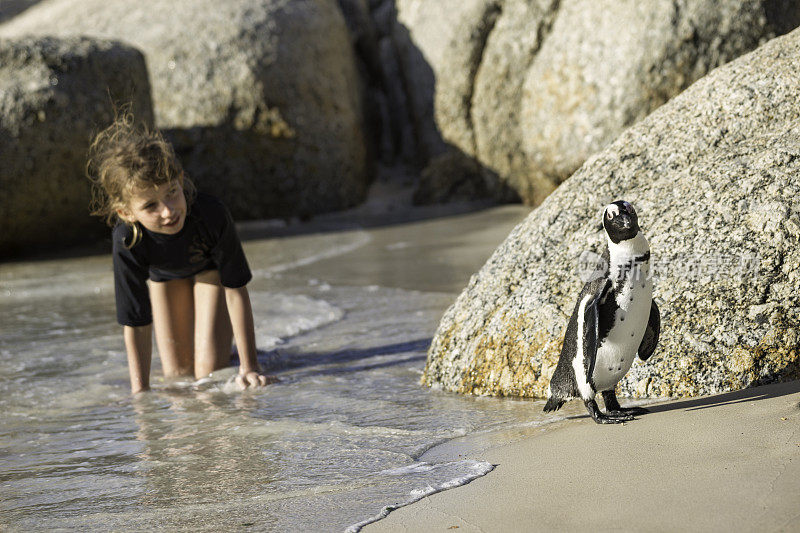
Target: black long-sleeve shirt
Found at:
x=207, y=241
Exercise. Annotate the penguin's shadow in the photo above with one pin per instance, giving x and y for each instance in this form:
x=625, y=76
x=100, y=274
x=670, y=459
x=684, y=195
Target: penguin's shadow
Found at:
x=764, y=392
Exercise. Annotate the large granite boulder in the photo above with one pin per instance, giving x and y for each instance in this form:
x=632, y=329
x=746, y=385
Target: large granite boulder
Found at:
x=422, y=33
x=54, y=94
x=530, y=89
x=713, y=175
x=260, y=98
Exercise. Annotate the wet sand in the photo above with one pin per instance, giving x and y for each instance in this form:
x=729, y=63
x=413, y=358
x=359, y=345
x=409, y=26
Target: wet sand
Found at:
x=432, y=248
x=729, y=462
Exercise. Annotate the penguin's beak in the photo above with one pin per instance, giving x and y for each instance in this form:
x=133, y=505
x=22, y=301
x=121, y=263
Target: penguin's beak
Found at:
x=626, y=221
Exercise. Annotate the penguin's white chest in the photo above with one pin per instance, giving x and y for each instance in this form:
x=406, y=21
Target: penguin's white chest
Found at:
x=616, y=353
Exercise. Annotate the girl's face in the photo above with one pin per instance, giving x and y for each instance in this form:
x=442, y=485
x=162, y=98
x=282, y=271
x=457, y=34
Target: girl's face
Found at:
x=161, y=210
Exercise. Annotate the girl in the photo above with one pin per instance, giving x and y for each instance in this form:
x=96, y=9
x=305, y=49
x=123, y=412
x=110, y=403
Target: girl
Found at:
x=186, y=244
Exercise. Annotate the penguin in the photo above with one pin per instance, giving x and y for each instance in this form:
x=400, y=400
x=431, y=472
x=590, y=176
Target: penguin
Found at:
x=614, y=320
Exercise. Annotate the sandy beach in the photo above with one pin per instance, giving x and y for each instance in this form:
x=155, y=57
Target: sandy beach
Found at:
x=728, y=462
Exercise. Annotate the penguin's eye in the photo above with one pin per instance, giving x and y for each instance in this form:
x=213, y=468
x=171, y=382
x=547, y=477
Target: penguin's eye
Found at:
x=609, y=215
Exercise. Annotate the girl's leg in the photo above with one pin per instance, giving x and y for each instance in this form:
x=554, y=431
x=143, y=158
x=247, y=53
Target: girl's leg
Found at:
x=173, y=321
x=212, y=332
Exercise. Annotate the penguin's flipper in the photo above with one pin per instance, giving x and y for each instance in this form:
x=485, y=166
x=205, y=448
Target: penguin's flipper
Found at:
x=591, y=324
x=590, y=328
x=651, y=333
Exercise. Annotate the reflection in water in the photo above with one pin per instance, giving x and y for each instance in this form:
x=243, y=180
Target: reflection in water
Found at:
x=191, y=448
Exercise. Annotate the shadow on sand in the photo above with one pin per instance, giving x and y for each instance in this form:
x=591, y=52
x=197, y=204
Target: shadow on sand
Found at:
x=753, y=394
x=763, y=392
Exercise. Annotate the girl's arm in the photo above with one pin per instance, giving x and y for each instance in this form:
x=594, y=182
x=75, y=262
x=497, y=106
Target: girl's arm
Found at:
x=241, y=314
x=139, y=345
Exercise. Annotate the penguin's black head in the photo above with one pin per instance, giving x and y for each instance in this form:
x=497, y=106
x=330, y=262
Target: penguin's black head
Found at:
x=620, y=221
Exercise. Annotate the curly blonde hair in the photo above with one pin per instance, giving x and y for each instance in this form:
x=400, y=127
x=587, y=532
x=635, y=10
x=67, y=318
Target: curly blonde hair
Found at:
x=125, y=157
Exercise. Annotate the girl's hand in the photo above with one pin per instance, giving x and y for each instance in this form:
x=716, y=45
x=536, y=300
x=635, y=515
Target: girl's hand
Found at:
x=254, y=379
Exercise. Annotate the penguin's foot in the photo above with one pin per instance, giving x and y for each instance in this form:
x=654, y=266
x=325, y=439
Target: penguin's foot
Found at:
x=635, y=411
x=612, y=405
x=608, y=418
x=613, y=418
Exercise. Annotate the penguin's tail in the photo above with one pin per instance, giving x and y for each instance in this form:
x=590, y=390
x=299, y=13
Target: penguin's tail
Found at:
x=553, y=404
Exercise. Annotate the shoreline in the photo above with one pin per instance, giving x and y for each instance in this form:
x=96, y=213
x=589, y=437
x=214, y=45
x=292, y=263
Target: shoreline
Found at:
x=388, y=203
x=725, y=462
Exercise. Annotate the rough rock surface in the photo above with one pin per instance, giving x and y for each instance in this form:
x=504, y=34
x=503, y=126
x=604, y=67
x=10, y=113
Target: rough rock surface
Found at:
x=713, y=175
x=530, y=89
x=261, y=99
x=494, y=110
x=421, y=35
x=54, y=93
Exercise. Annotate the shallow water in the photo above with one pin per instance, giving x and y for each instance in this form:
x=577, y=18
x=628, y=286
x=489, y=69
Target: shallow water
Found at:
x=343, y=317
